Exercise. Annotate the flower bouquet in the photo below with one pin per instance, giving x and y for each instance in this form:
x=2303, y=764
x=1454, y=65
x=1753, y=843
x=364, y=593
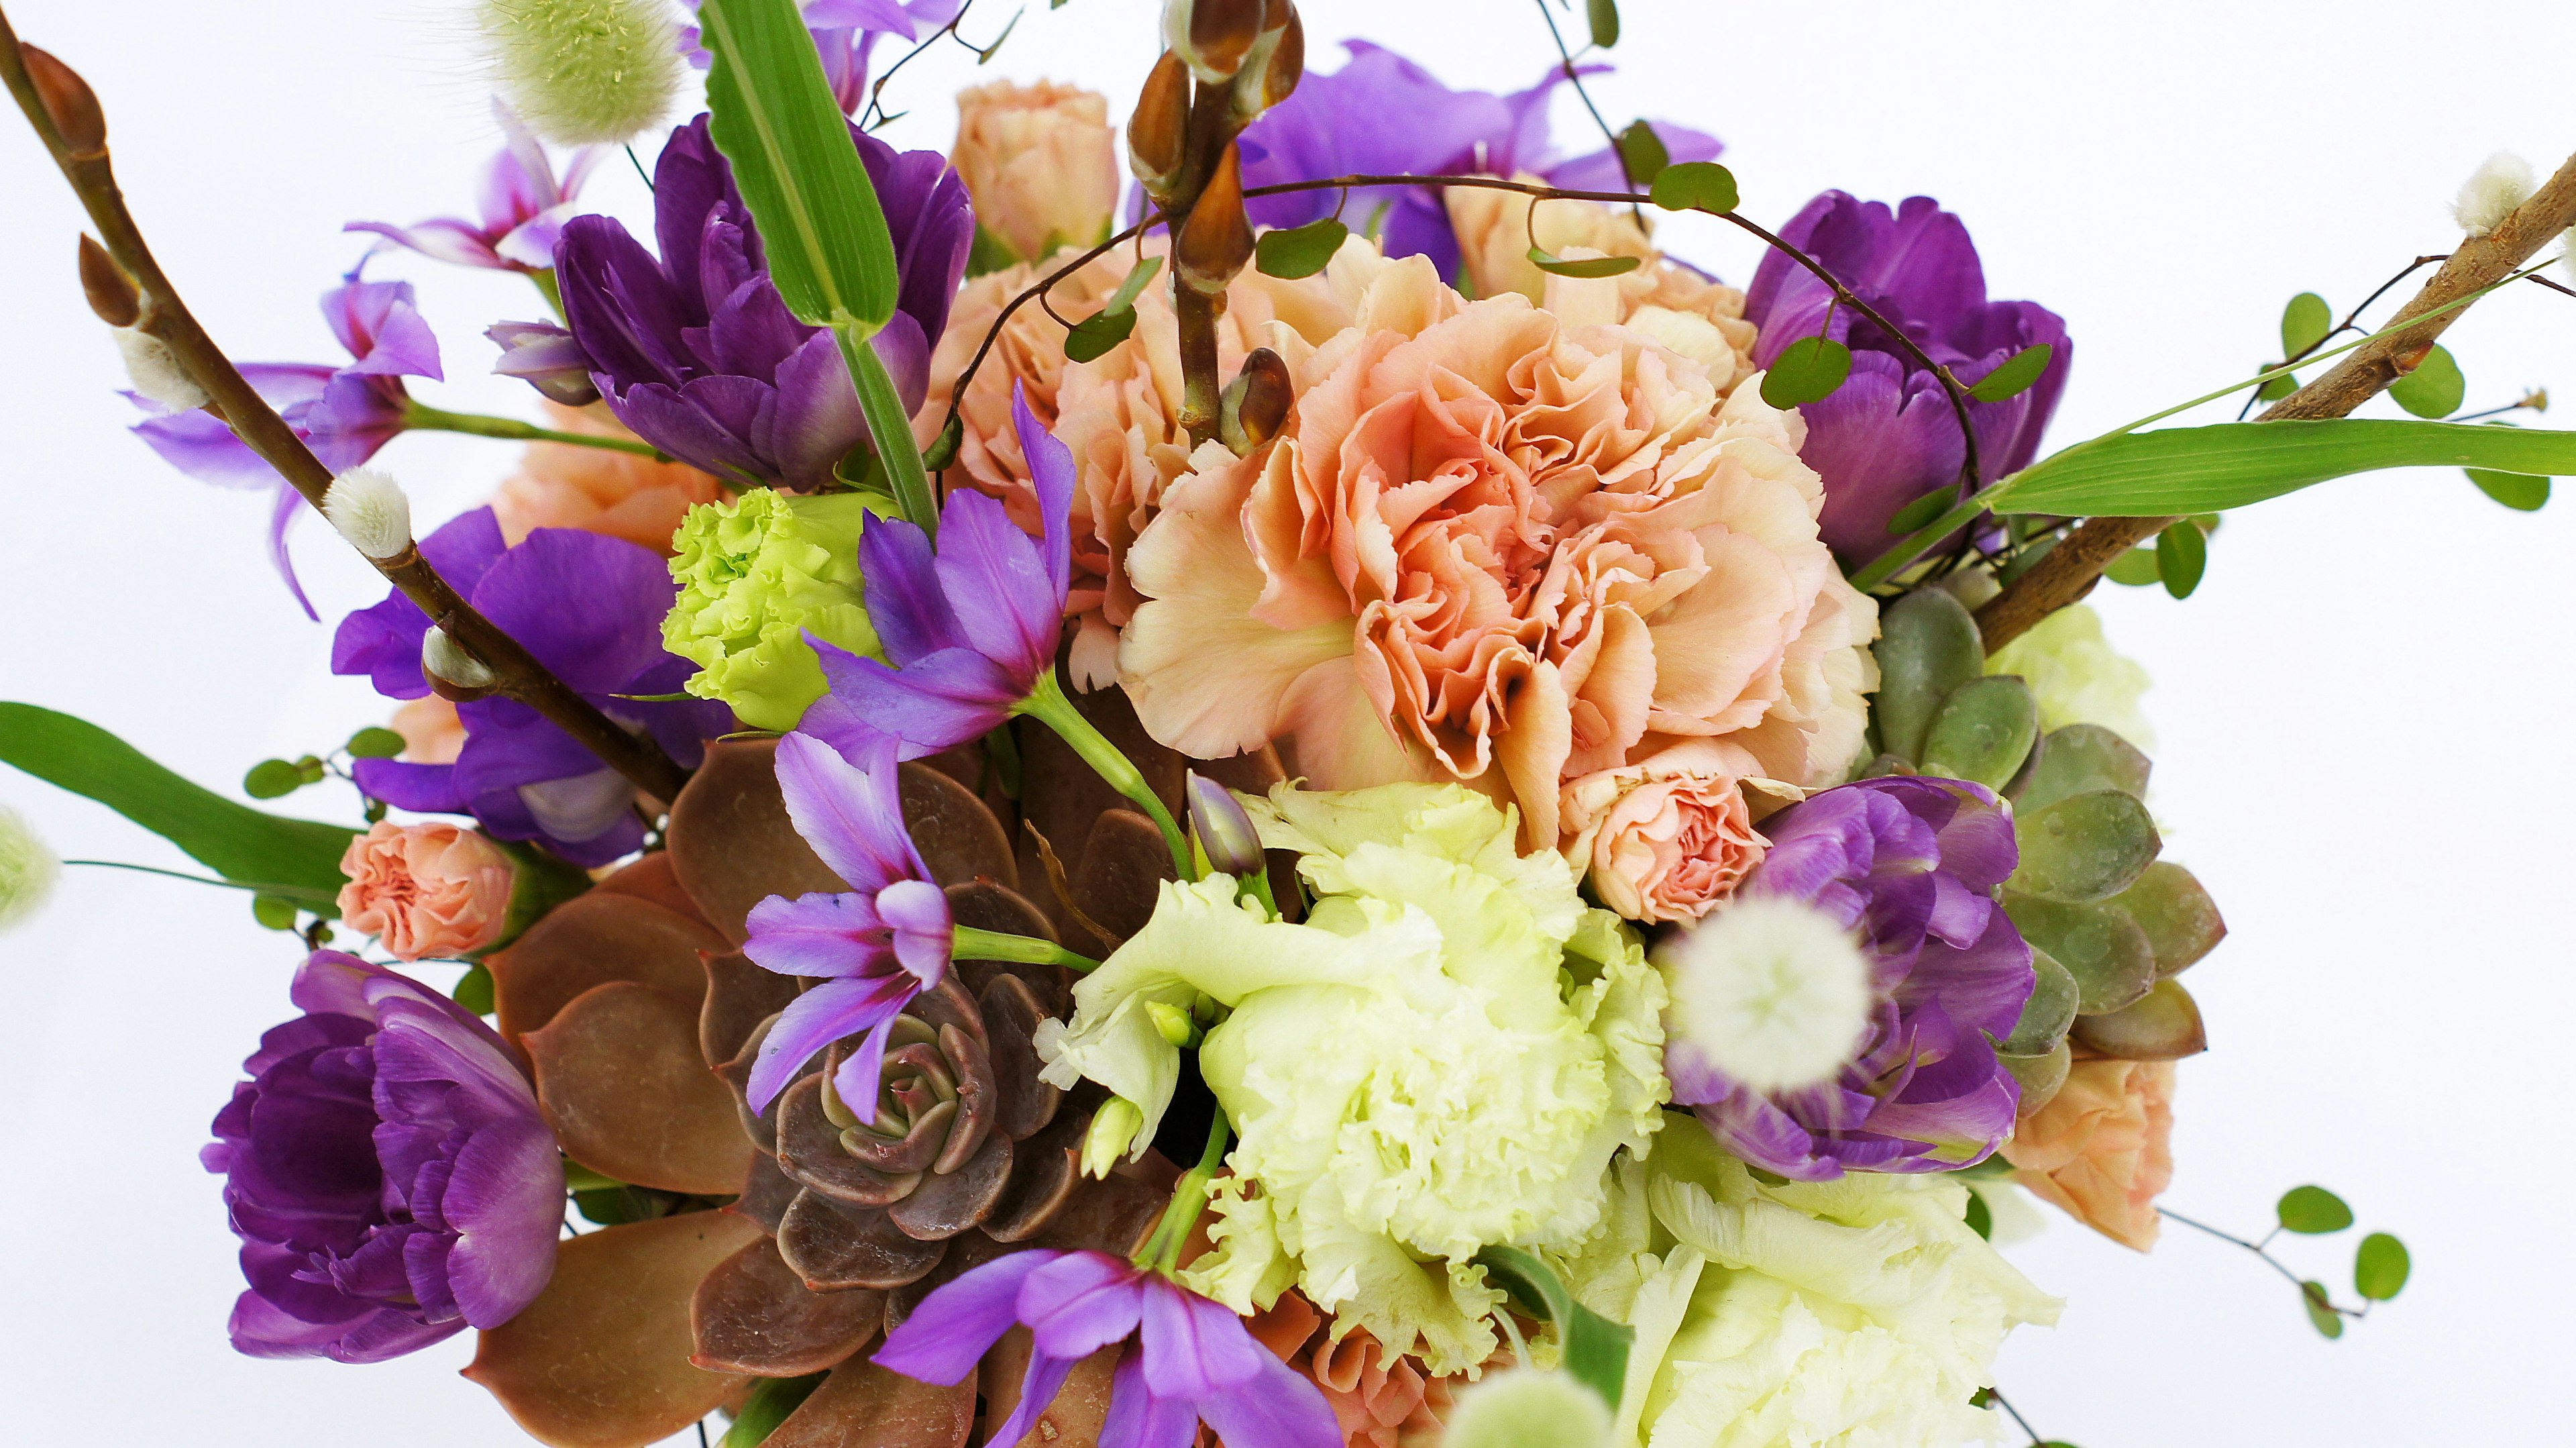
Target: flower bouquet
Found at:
x=1312, y=798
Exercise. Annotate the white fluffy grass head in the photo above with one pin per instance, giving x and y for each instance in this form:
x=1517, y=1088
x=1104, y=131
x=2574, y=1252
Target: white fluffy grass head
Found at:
x=371, y=511
x=1773, y=992
x=584, y=72
x=2503, y=182
x=1527, y=1408
x=27, y=870
x=155, y=371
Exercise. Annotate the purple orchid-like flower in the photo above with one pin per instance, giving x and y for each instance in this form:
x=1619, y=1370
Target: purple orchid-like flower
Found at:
x=1381, y=114
x=524, y=208
x=345, y=414
x=590, y=608
x=971, y=632
x=387, y=1171
x=1888, y=435
x=697, y=353
x=1910, y=864
x=1192, y=1361
x=846, y=33
x=875, y=947
x=545, y=357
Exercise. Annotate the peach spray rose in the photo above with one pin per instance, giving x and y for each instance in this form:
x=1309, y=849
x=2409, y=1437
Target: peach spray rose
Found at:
x=2103, y=1148
x=426, y=889
x=1040, y=161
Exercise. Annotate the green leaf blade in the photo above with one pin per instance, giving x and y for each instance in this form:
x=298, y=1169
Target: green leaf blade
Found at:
x=1810, y=369
x=2304, y=324
x=2312, y=1211
x=773, y=116
x=1596, y=1349
x=1603, y=17
x=2182, y=555
x=1296, y=252
x=233, y=840
x=1590, y=268
x=1094, y=337
x=2435, y=388
x=1696, y=186
x=2231, y=464
x=2519, y=491
x=2017, y=374
x=1642, y=153
x=2380, y=1267
x=2321, y=1313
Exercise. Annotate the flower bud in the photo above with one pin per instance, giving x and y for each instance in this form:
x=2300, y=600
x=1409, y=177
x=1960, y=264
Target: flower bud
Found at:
x=155, y=372
x=1214, y=36
x=371, y=511
x=1225, y=832
x=2503, y=182
x=583, y=72
x=110, y=292
x=69, y=103
x=1278, y=62
x=28, y=870
x=1158, y=134
x=545, y=357
x=452, y=671
x=1173, y=1023
x=1113, y=1131
x=1256, y=403
x=1216, y=242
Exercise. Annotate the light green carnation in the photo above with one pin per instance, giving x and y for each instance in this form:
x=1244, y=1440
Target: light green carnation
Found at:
x=757, y=574
x=2078, y=676
x=1859, y=1313
x=1446, y=1055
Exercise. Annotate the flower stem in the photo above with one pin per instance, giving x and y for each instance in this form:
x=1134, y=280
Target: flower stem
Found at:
x=890, y=428
x=544, y=277
x=1050, y=707
x=299, y=893
x=1162, y=1250
x=424, y=418
x=974, y=944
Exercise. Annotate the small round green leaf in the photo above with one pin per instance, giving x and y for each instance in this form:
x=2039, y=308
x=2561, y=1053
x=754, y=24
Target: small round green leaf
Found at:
x=2135, y=568
x=272, y=779
x=2519, y=491
x=1808, y=370
x=1094, y=337
x=1696, y=186
x=2313, y=1211
x=311, y=769
x=1643, y=153
x=2434, y=389
x=1923, y=510
x=2279, y=387
x=1587, y=268
x=276, y=912
x=2016, y=375
x=2182, y=556
x=1299, y=251
x=474, y=991
x=1138, y=276
x=1604, y=17
x=2304, y=323
x=2321, y=1313
x=375, y=742
x=2379, y=1269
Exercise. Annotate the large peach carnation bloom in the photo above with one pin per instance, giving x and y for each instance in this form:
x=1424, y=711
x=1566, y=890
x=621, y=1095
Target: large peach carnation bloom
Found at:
x=1499, y=544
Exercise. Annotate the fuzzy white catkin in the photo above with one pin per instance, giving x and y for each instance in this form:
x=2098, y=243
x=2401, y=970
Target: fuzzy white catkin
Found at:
x=584, y=72
x=445, y=658
x=155, y=371
x=371, y=510
x=1772, y=991
x=1528, y=1409
x=28, y=870
x=2491, y=193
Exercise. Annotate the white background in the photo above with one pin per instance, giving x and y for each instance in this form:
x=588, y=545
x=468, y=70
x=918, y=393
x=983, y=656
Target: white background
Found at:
x=2364, y=710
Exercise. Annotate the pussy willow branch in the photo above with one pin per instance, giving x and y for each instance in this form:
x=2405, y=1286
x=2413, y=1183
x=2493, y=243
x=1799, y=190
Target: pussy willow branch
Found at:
x=165, y=316
x=2068, y=571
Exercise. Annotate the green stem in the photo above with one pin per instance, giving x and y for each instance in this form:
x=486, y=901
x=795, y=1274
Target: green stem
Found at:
x=1050, y=707
x=1162, y=1250
x=973, y=944
x=544, y=277
x=302, y=894
x=890, y=427
x=1901, y=557
x=422, y=417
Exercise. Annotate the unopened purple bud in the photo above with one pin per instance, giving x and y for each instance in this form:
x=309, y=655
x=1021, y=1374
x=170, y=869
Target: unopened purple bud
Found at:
x=547, y=358
x=1224, y=830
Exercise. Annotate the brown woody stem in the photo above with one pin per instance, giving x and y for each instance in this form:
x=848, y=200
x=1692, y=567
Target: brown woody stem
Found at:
x=165, y=316
x=1202, y=388
x=2068, y=571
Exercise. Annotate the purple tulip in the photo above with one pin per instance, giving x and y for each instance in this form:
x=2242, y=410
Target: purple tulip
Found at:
x=1888, y=436
x=386, y=1170
x=524, y=208
x=1382, y=114
x=845, y=32
x=697, y=353
x=874, y=948
x=590, y=608
x=344, y=414
x=1192, y=1361
x=1911, y=865
x=972, y=634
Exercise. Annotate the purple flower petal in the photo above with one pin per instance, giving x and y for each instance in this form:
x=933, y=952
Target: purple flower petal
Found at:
x=998, y=584
x=1081, y=1303
x=1052, y=474
x=949, y=1333
x=935, y=703
x=832, y=1011
x=824, y=937
x=852, y=814
x=864, y=1069
x=905, y=600
x=1278, y=1407
x=1194, y=1348
x=1139, y=1418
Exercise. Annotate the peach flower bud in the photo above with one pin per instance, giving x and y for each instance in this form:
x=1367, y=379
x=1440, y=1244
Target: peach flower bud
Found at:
x=1666, y=839
x=429, y=889
x=2102, y=1149
x=1040, y=161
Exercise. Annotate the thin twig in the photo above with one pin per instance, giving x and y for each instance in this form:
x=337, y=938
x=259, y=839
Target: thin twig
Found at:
x=1574, y=77
x=516, y=672
x=876, y=92
x=1997, y=1394
x=2306, y=1289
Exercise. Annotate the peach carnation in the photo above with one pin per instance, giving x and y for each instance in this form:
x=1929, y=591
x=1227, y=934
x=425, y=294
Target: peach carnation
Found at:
x=432, y=733
x=427, y=889
x=1667, y=838
x=1378, y=1403
x=1500, y=546
x=2102, y=1149
x=1040, y=162
x=598, y=490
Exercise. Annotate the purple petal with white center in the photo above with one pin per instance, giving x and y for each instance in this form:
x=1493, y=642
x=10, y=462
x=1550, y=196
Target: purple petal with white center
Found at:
x=382, y=328
x=924, y=930
x=948, y=1334
x=442, y=238
x=499, y=1264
